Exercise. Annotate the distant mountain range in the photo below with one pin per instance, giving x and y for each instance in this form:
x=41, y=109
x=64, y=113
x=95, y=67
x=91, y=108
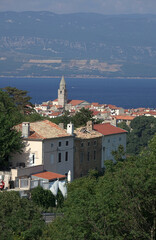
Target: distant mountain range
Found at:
x=80, y=44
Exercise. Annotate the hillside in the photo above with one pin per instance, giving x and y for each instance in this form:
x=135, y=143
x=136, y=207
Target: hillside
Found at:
x=48, y=44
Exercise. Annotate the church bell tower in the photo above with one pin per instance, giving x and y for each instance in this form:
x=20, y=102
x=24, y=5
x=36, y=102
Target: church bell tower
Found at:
x=62, y=93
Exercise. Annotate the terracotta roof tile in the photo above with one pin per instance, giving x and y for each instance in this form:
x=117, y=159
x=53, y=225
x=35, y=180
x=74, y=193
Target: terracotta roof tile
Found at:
x=49, y=175
x=75, y=102
x=108, y=129
x=124, y=117
x=44, y=130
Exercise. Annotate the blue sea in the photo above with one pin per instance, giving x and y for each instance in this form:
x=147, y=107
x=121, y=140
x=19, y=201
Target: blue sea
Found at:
x=126, y=93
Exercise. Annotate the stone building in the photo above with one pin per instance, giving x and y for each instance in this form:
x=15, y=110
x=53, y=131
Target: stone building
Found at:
x=88, y=146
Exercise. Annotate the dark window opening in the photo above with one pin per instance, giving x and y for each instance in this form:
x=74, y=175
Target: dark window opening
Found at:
x=59, y=157
x=66, y=156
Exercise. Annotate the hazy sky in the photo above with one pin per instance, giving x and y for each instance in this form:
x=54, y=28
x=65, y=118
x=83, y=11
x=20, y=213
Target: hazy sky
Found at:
x=70, y=6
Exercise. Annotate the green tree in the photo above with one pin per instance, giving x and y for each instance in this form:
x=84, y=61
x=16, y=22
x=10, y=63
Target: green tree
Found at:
x=119, y=155
x=82, y=117
x=43, y=198
x=143, y=129
x=124, y=126
x=20, y=98
x=10, y=139
x=33, y=117
x=19, y=218
x=65, y=119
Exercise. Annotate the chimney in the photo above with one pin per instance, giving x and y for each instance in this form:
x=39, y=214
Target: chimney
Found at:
x=89, y=126
x=70, y=128
x=25, y=129
x=61, y=125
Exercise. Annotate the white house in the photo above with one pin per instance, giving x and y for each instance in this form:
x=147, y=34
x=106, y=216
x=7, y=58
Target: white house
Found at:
x=112, y=138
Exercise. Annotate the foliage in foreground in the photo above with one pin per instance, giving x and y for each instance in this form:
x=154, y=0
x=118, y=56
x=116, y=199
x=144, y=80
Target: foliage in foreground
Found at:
x=43, y=198
x=10, y=139
x=119, y=205
x=19, y=218
x=141, y=131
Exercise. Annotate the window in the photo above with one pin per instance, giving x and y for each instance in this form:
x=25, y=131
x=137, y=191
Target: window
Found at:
x=88, y=144
x=60, y=144
x=67, y=143
x=81, y=144
x=95, y=143
x=81, y=157
x=32, y=159
x=52, y=145
x=66, y=156
x=59, y=157
x=88, y=156
x=108, y=140
x=51, y=158
x=94, y=155
x=119, y=138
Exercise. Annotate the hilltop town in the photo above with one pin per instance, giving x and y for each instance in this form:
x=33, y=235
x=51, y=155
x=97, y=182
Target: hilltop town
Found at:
x=107, y=113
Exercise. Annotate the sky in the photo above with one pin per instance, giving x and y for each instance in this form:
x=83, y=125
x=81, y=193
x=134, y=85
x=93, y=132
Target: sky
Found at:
x=72, y=6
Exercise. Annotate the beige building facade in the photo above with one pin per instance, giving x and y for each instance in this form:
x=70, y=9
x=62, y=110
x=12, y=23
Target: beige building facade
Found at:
x=46, y=144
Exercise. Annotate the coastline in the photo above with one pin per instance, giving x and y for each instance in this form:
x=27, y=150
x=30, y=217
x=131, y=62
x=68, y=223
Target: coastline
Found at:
x=78, y=76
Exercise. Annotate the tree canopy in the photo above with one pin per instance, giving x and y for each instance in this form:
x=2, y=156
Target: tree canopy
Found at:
x=19, y=218
x=143, y=129
x=10, y=139
x=20, y=98
x=79, y=119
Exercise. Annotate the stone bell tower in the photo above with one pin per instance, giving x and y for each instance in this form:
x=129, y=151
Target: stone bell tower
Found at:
x=62, y=93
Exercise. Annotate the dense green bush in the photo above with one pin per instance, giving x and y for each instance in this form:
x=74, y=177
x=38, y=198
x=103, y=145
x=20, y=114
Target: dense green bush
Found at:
x=43, y=198
x=19, y=218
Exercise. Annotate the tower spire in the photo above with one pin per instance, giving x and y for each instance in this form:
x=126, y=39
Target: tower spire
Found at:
x=62, y=93
x=62, y=82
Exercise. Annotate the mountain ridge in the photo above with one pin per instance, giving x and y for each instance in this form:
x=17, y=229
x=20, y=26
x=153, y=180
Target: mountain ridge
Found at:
x=84, y=43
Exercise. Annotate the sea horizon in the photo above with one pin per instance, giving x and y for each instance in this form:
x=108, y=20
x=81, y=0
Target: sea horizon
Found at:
x=122, y=92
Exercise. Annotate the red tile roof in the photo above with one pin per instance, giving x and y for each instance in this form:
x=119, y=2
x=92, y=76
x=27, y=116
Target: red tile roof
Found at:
x=49, y=175
x=108, y=129
x=75, y=102
x=124, y=117
x=55, y=114
x=112, y=106
x=95, y=112
x=95, y=104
